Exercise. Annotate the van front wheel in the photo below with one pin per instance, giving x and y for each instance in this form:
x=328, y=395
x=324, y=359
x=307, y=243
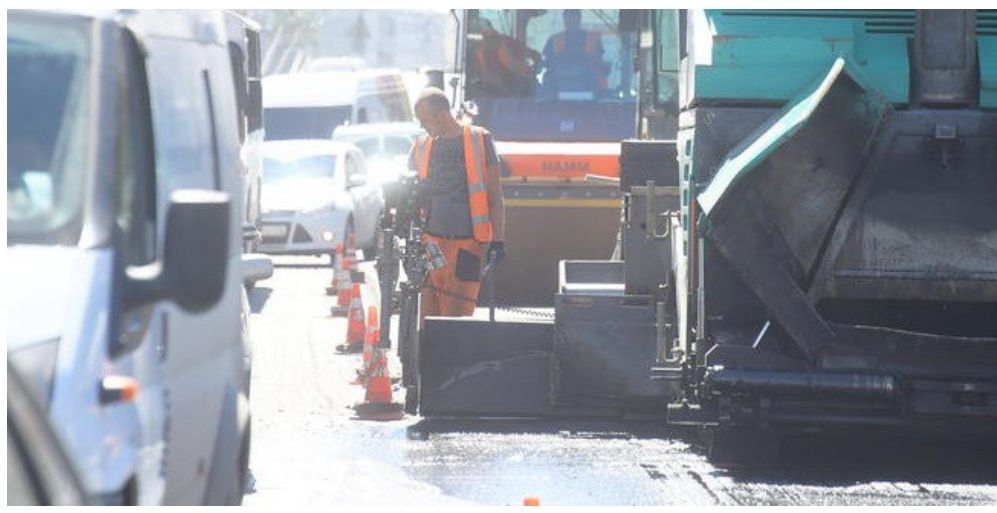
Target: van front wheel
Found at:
x=247, y=484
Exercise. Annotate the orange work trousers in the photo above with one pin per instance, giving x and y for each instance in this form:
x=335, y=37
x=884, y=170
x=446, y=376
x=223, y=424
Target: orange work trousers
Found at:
x=452, y=290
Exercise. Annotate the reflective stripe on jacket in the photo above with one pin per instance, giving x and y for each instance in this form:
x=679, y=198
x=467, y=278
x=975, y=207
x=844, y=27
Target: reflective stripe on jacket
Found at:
x=591, y=43
x=475, y=167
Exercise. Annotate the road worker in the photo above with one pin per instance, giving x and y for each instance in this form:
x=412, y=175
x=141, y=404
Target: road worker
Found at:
x=466, y=215
x=573, y=58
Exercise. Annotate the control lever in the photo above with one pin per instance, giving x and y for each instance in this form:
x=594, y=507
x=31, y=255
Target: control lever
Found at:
x=488, y=281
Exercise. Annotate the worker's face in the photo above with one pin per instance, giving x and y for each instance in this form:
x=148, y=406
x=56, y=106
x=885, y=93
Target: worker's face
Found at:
x=431, y=121
x=572, y=20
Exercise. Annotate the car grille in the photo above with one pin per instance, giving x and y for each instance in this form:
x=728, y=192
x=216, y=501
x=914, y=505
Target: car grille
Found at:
x=273, y=233
x=301, y=235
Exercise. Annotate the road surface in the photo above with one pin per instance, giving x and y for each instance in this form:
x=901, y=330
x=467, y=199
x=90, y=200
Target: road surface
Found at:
x=308, y=451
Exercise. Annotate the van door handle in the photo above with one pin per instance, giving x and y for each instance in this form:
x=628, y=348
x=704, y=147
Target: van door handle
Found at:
x=132, y=327
x=164, y=336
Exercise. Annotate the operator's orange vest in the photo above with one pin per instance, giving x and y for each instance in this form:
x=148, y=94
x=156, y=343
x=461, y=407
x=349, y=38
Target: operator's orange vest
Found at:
x=592, y=40
x=474, y=164
x=591, y=43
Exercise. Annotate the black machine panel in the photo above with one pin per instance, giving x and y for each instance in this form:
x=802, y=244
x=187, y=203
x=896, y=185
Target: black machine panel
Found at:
x=475, y=368
x=604, y=346
x=641, y=161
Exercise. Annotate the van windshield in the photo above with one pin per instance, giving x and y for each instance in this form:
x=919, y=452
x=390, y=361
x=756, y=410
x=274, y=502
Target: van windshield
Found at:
x=48, y=68
x=287, y=123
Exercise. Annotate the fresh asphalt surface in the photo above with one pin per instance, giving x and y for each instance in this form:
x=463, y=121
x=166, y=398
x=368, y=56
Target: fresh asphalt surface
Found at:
x=308, y=451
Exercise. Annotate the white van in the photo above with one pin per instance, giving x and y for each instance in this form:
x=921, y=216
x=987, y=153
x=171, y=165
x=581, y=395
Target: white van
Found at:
x=123, y=248
x=244, y=52
x=243, y=37
x=312, y=105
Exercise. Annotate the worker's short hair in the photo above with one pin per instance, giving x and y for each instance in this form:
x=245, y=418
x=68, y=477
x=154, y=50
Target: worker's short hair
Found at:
x=435, y=99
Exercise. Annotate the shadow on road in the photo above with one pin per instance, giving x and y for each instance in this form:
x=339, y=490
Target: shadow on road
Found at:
x=820, y=460
x=568, y=428
x=840, y=459
x=318, y=264
x=258, y=297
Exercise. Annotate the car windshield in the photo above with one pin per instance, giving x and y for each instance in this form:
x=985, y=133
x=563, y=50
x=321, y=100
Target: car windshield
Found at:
x=48, y=68
x=305, y=168
x=553, y=75
x=370, y=145
x=376, y=147
x=286, y=123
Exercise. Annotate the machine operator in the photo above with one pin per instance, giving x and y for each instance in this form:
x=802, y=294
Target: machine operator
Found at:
x=574, y=57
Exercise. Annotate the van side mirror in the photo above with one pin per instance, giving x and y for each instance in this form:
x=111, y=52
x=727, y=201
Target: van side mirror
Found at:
x=196, y=251
x=195, y=255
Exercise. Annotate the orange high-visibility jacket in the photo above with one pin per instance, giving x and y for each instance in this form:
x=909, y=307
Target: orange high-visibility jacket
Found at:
x=474, y=164
x=498, y=53
x=591, y=49
x=591, y=43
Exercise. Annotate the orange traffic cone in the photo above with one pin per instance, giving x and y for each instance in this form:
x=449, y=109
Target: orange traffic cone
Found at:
x=355, y=325
x=349, y=259
x=351, y=247
x=350, y=263
x=531, y=500
x=344, y=285
x=337, y=263
x=377, y=403
x=370, y=340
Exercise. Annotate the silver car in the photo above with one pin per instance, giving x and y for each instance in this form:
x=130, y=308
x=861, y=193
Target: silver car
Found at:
x=316, y=195
x=386, y=146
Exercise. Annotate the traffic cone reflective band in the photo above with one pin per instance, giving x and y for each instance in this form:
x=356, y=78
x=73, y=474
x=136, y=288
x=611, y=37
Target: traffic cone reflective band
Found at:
x=377, y=403
x=355, y=325
x=373, y=334
x=349, y=259
x=344, y=285
x=337, y=264
x=370, y=340
x=351, y=248
x=345, y=296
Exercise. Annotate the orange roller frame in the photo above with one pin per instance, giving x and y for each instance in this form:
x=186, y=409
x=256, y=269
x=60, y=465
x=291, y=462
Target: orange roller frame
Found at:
x=560, y=160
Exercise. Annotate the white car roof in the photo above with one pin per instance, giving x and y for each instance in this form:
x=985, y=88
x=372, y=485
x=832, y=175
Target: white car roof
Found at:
x=394, y=128
x=328, y=88
x=340, y=63
x=300, y=148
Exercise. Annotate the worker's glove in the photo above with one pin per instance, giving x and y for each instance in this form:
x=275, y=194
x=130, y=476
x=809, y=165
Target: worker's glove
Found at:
x=496, y=252
x=494, y=255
